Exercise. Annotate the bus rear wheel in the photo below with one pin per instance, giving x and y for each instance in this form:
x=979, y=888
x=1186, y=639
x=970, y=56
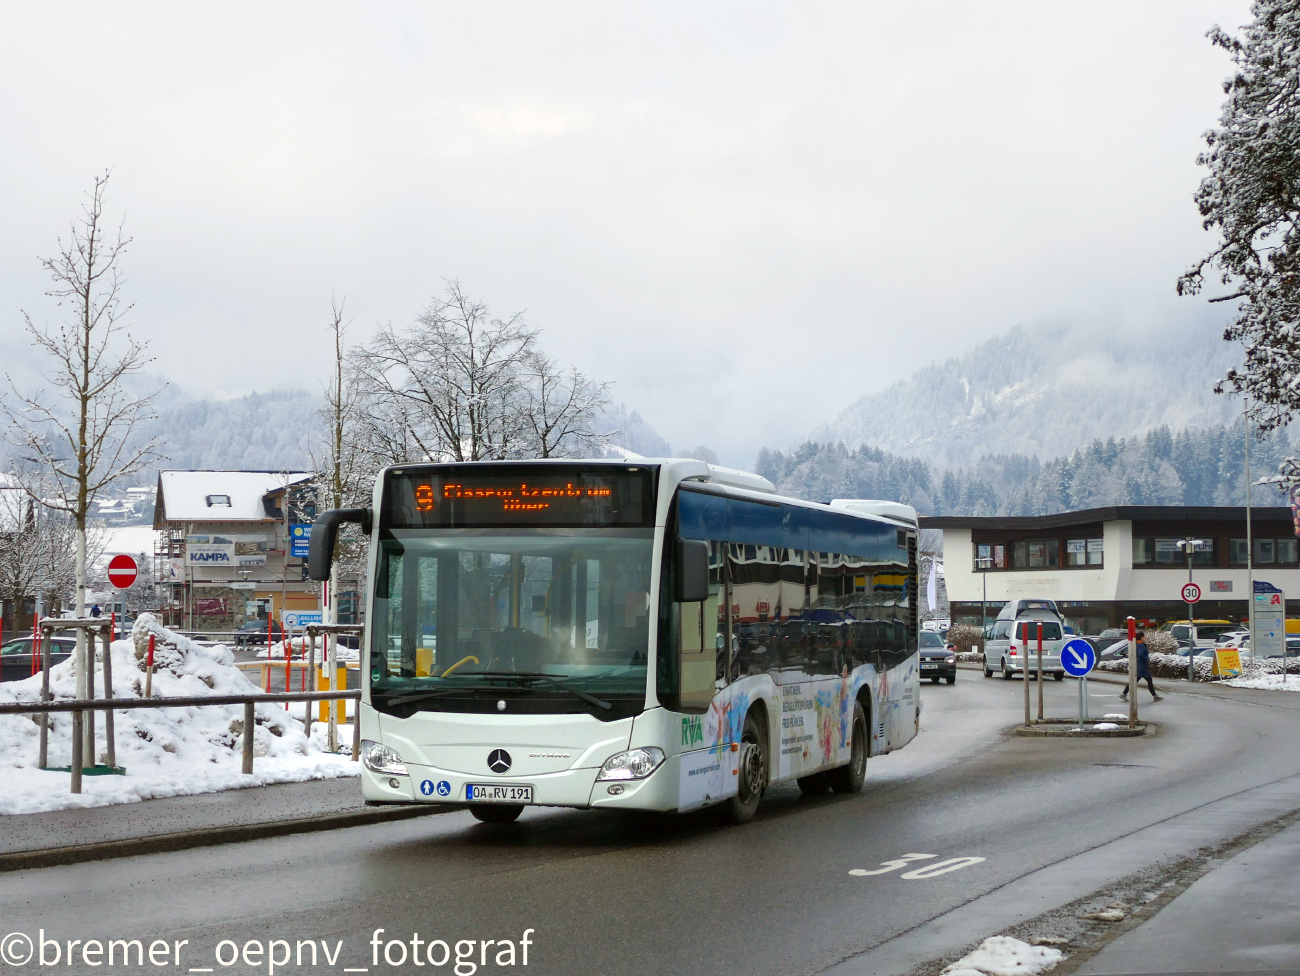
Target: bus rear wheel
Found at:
x=752, y=776
x=849, y=778
x=496, y=813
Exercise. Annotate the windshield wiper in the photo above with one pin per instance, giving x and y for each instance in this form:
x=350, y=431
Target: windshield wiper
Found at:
x=423, y=695
x=523, y=675
x=536, y=676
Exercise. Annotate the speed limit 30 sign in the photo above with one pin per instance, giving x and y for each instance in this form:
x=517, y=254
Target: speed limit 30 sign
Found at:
x=1191, y=593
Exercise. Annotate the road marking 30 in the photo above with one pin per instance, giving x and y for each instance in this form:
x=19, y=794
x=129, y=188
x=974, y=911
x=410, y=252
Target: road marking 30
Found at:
x=922, y=872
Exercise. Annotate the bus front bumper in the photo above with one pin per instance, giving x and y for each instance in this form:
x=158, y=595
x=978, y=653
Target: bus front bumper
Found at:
x=568, y=788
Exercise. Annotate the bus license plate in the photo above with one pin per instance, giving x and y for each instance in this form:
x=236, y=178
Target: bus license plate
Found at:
x=498, y=793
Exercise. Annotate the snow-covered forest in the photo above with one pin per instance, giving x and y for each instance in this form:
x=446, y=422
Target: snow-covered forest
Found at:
x=1190, y=467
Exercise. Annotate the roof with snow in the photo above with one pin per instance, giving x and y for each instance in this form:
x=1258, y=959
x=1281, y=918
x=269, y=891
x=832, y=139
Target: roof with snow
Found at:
x=220, y=496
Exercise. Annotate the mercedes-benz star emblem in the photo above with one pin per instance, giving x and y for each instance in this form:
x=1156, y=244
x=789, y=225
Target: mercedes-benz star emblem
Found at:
x=498, y=760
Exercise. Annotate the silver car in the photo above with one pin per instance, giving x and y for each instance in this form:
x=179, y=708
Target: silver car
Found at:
x=1012, y=641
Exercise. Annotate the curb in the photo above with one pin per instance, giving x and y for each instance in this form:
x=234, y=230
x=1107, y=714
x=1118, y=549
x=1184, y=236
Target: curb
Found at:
x=207, y=837
x=1068, y=728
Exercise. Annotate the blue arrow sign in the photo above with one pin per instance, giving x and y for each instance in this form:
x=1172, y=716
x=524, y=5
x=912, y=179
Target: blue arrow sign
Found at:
x=1078, y=657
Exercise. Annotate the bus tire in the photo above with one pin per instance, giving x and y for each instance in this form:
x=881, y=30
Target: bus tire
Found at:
x=496, y=813
x=752, y=778
x=1059, y=676
x=850, y=777
x=814, y=785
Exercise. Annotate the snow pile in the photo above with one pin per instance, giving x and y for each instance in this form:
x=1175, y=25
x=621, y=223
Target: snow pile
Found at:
x=1266, y=680
x=1004, y=956
x=1163, y=666
x=1105, y=726
x=166, y=751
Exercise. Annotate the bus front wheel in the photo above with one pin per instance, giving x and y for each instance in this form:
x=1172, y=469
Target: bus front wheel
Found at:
x=752, y=774
x=849, y=778
x=496, y=813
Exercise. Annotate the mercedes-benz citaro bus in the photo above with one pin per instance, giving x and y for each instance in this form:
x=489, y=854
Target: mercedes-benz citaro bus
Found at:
x=657, y=635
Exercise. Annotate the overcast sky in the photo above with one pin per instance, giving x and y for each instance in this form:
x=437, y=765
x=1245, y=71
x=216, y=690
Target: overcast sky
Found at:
x=745, y=215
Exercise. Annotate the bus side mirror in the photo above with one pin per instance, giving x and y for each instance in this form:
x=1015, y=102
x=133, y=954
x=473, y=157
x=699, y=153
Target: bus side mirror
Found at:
x=324, y=533
x=692, y=571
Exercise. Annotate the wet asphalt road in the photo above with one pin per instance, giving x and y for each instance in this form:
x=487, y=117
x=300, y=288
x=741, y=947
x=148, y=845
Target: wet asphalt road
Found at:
x=611, y=894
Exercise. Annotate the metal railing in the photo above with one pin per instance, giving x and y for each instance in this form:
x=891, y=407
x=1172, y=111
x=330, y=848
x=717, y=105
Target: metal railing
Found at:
x=83, y=709
x=78, y=707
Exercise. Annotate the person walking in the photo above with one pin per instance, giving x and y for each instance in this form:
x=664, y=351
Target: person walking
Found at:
x=95, y=611
x=1144, y=668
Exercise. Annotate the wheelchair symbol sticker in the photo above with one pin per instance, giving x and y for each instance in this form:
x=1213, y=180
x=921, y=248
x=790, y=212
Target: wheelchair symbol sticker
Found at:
x=444, y=788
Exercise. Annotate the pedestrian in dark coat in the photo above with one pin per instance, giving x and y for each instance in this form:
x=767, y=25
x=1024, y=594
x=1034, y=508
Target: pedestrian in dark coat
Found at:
x=1144, y=668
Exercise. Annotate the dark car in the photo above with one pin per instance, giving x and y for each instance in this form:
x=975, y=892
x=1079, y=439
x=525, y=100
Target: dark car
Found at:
x=937, y=661
x=16, y=656
x=254, y=633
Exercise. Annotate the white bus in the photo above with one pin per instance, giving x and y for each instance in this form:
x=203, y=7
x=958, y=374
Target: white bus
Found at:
x=652, y=635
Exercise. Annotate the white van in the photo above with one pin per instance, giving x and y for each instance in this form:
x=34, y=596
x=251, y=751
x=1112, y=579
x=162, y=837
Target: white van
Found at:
x=1014, y=638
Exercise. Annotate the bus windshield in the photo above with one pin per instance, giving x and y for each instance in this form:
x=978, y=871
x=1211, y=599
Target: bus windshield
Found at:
x=558, y=617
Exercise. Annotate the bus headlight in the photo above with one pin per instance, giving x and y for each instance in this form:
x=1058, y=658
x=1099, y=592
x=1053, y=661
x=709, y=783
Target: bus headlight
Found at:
x=379, y=758
x=633, y=764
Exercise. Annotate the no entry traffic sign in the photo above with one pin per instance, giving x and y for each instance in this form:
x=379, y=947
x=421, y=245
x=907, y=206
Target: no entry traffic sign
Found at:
x=121, y=572
x=1191, y=592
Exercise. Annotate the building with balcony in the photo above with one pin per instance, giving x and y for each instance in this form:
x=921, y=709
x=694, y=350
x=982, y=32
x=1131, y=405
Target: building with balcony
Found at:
x=1103, y=565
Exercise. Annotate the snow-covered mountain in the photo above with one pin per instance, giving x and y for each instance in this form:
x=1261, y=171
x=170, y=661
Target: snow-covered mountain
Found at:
x=1045, y=390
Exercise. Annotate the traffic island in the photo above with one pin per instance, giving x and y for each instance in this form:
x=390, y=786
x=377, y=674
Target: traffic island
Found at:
x=1068, y=727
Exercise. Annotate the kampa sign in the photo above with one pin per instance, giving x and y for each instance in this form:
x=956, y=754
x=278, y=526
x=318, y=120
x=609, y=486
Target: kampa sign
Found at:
x=209, y=554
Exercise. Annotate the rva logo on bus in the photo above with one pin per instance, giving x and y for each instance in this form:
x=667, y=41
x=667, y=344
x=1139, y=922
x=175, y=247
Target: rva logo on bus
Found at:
x=692, y=730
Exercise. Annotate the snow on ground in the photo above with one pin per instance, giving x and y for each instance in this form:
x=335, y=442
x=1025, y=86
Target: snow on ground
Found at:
x=1267, y=682
x=1004, y=956
x=166, y=752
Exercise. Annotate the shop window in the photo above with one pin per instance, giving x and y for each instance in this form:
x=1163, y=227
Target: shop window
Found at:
x=990, y=555
x=1170, y=552
x=1287, y=550
x=1083, y=552
x=1265, y=552
x=1238, y=551
x=1036, y=554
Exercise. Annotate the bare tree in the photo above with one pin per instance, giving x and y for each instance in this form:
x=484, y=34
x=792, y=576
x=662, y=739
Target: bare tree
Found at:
x=83, y=435
x=563, y=407
x=345, y=453
x=37, y=551
x=454, y=381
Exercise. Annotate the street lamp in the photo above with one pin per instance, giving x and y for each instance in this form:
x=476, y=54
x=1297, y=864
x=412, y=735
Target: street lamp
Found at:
x=983, y=563
x=1190, y=545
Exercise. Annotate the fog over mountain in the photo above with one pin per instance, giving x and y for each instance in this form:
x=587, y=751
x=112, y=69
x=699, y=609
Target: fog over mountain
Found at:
x=1045, y=391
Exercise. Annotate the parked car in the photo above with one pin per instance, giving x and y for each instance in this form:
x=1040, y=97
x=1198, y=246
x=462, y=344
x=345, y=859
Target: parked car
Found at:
x=16, y=656
x=1200, y=632
x=1015, y=639
x=937, y=660
x=254, y=633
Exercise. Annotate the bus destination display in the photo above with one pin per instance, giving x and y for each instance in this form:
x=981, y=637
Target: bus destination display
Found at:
x=552, y=496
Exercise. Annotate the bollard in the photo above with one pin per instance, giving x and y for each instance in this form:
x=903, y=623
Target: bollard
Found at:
x=288, y=665
x=1132, y=674
x=1040, y=670
x=1023, y=630
x=311, y=670
x=77, y=759
x=148, y=671
x=332, y=743
x=250, y=722
x=111, y=750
